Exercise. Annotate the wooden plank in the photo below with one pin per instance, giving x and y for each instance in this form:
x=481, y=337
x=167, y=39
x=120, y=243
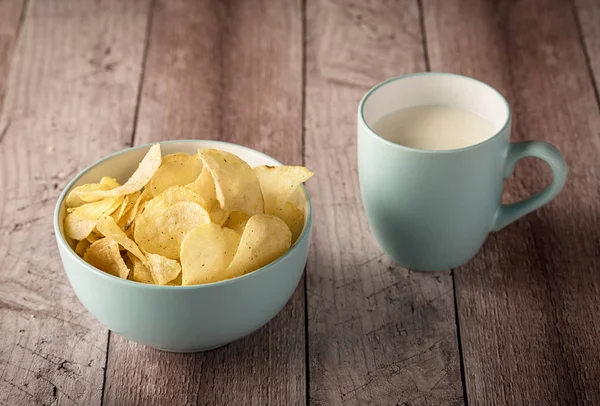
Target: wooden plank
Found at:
x=588, y=15
x=70, y=100
x=11, y=12
x=230, y=71
x=378, y=334
x=528, y=303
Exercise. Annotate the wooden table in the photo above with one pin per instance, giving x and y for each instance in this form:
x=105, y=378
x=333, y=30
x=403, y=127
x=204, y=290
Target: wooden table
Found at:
x=519, y=324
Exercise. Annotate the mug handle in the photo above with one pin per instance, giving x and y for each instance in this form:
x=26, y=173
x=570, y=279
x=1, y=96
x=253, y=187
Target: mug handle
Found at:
x=507, y=213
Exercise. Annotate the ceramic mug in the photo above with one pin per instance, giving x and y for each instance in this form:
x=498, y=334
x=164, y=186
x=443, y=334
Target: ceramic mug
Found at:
x=432, y=210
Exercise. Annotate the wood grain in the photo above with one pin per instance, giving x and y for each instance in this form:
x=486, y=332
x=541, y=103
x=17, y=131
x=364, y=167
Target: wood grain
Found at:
x=230, y=71
x=378, y=334
x=529, y=302
x=588, y=16
x=70, y=99
x=11, y=12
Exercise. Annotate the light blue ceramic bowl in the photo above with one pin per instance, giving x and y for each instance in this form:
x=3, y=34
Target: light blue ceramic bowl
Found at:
x=181, y=318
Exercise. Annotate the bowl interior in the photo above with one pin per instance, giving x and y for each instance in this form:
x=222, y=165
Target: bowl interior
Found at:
x=122, y=164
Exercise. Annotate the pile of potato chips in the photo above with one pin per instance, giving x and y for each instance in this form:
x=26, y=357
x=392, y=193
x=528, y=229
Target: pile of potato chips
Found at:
x=187, y=219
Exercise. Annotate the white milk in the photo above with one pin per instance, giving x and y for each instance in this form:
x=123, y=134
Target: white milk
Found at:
x=434, y=127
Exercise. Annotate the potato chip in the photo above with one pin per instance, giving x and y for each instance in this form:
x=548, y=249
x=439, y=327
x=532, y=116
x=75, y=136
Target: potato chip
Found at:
x=293, y=217
x=160, y=229
x=137, y=181
x=109, y=183
x=173, y=157
x=237, y=221
x=107, y=227
x=144, y=196
x=278, y=183
x=128, y=264
x=179, y=170
x=163, y=269
x=128, y=203
x=73, y=199
x=206, y=252
x=175, y=282
x=265, y=239
x=81, y=247
x=236, y=184
x=93, y=237
x=204, y=186
x=139, y=271
x=81, y=222
x=104, y=254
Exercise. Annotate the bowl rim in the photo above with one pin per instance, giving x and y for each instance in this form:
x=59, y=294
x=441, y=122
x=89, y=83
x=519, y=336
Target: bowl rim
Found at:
x=62, y=242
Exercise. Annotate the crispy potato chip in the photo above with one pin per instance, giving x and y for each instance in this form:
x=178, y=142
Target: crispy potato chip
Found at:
x=237, y=221
x=178, y=170
x=236, y=184
x=176, y=281
x=137, y=206
x=104, y=254
x=206, y=252
x=173, y=157
x=93, y=237
x=160, y=229
x=204, y=186
x=81, y=247
x=73, y=199
x=81, y=222
x=109, y=183
x=137, y=181
x=107, y=227
x=278, y=183
x=139, y=271
x=126, y=206
x=293, y=217
x=128, y=264
x=163, y=269
x=298, y=199
x=265, y=239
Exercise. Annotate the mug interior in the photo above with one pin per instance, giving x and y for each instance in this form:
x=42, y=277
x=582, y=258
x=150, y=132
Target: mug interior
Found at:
x=438, y=89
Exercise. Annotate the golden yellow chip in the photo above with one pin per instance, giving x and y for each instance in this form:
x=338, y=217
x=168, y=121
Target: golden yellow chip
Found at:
x=81, y=247
x=107, y=227
x=293, y=217
x=81, y=222
x=73, y=199
x=265, y=239
x=163, y=269
x=137, y=207
x=180, y=169
x=137, y=181
x=278, y=184
x=104, y=254
x=236, y=184
x=139, y=271
x=175, y=282
x=93, y=237
x=206, y=252
x=160, y=229
x=237, y=221
x=109, y=183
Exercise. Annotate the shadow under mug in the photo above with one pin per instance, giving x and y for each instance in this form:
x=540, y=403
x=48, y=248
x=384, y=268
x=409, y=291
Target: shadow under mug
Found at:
x=432, y=210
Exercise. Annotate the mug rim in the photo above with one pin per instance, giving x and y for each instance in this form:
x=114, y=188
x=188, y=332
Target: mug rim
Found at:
x=62, y=241
x=431, y=151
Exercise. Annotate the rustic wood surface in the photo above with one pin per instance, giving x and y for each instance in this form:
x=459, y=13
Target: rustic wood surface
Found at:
x=378, y=333
x=517, y=325
x=528, y=303
x=229, y=71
